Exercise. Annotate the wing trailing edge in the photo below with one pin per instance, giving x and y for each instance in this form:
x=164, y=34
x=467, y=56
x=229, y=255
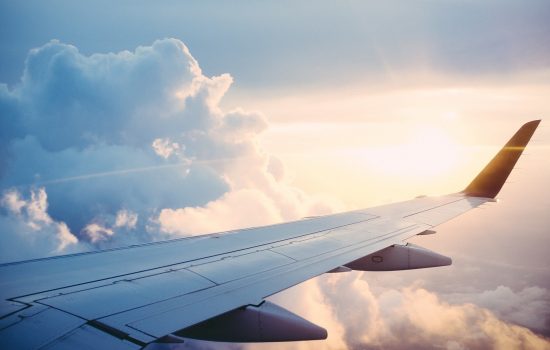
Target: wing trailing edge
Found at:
x=490, y=180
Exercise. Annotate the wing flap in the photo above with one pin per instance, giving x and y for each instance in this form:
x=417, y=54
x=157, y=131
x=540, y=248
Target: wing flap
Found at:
x=87, y=337
x=39, y=329
x=128, y=294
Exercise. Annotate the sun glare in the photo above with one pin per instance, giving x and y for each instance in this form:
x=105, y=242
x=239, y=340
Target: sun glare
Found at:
x=429, y=151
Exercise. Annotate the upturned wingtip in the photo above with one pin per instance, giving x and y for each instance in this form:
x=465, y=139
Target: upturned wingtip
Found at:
x=490, y=180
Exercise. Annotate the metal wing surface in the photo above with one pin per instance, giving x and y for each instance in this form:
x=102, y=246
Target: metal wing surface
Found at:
x=130, y=297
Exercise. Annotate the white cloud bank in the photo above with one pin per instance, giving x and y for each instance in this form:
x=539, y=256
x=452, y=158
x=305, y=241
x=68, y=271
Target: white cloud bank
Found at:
x=133, y=146
x=412, y=317
x=29, y=231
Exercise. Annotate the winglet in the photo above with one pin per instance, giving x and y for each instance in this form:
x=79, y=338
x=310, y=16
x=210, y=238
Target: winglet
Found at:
x=491, y=179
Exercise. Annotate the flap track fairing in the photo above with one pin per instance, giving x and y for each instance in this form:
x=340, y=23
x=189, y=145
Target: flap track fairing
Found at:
x=264, y=323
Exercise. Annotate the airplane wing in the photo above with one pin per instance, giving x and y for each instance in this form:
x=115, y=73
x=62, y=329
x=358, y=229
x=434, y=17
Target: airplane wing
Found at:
x=214, y=286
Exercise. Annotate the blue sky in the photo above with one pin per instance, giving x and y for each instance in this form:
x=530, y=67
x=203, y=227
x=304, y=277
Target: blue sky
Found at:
x=267, y=44
x=111, y=134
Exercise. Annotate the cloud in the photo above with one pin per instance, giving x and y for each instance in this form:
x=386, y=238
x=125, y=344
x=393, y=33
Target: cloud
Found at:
x=411, y=317
x=27, y=229
x=165, y=148
x=133, y=146
x=125, y=218
x=529, y=307
x=198, y=220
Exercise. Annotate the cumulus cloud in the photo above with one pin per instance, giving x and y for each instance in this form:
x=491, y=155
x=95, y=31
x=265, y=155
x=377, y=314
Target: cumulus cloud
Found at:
x=198, y=220
x=125, y=218
x=27, y=229
x=165, y=148
x=529, y=307
x=358, y=317
x=97, y=233
x=133, y=146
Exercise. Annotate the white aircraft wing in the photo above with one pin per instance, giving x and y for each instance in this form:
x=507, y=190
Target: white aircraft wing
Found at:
x=213, y=287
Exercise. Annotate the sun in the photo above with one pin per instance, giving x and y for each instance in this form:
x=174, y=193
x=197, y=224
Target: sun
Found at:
x=426, y=151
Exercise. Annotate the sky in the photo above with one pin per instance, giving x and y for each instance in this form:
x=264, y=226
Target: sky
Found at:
x=140, y=121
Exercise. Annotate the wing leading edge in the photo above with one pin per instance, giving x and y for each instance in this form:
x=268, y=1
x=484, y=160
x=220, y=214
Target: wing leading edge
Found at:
x=214, y=287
